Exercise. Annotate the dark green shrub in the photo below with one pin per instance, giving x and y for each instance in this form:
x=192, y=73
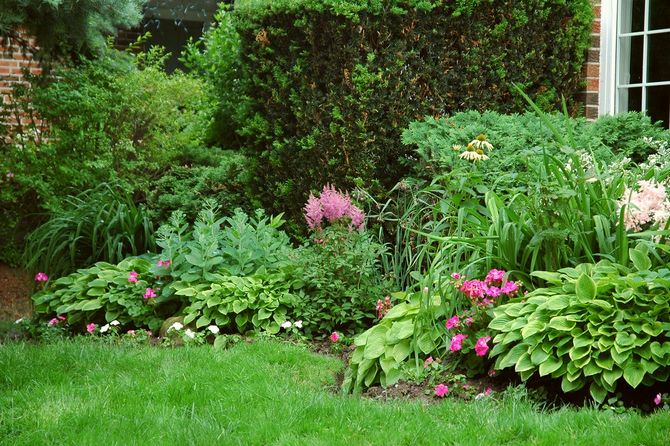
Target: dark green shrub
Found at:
x=593, y=326
x=101, y=224
x=330, y=84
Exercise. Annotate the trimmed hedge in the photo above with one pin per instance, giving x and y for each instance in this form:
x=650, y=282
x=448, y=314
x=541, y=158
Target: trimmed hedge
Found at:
x=332, y=83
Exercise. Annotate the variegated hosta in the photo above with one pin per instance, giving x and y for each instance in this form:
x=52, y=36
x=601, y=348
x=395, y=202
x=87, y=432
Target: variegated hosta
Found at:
x=595, y=326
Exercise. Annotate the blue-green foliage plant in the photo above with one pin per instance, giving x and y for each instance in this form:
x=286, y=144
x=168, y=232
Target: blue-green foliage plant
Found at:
x=602, y=326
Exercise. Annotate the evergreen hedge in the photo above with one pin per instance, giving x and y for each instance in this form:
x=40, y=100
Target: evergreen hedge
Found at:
x=331, y=84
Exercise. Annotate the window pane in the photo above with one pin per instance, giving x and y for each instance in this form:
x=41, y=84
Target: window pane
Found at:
x=659, y=16
x=657, y=59
x=630, y=65
x=630, y=99
x=658, y=104
x=632, y=16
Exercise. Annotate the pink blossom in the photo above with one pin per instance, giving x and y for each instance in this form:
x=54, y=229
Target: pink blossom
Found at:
x=131, y=332
x=493, y=291
x=10, y=175
x=429, y=360
x=335, y=204
x=441, y=390
x=495, y=275
x=488, y=391
x=453, y=322
x=647, y=205
x=457, y=342
x=332, y=205
x=164, y=263
x=474, y=289
x=313, y=212
x=41, y=277
x=357, y=218
x=658, y=399
x=481, y=347
x=53, y=322
x=510, y=288
x=334, y=337
x=149, y=293
x=469, y=321
x=132, y=277
x=455, y=276
x=90, y=327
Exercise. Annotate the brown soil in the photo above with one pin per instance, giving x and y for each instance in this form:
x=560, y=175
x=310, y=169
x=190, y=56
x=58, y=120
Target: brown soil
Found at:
x=16, y=286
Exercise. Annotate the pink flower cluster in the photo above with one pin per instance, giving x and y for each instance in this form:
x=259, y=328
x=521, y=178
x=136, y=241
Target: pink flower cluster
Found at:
x=484, y=292
x=132, y=277
x=334, y=337
x=441, y=390
x=149, y=293
x=481, y=347
x=165, y=263
x=41, y=277
x=91, y=327
x=457, y=342
x=383, y=307
x=55, y=321
x=658, y=399
x=647, y=205
x=333, y=206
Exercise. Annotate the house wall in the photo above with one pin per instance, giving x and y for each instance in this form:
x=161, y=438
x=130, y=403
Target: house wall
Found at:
x=14, y=62
x=591, y=72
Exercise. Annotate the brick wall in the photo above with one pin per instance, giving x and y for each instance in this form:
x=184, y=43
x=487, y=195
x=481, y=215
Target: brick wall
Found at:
x=591, y=71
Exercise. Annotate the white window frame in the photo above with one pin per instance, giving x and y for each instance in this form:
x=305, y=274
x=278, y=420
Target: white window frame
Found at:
x=608, y=93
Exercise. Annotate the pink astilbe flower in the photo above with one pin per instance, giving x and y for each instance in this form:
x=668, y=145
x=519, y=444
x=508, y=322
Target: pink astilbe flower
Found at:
x=335, y=204
x=457, y=342
x=648, y=205
x=357, y=218
x=313, y=212
x=441, y=390
x=132, y=277
x=481, y=347
x=41, y=277
x=453, y=322
x=149, y=293
x=90, y=327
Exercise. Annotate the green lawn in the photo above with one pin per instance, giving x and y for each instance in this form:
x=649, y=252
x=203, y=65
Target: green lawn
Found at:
x=267, y=393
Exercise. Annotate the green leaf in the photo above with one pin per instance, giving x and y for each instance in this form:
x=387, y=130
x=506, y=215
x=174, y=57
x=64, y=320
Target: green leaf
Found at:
x=190, y=318
x=571, y=386
x=625, y=339
x=640, y=259
x=550, y=365
x=376, y=342
x=241, y=320
x=512, y=357
x=585, y=288
x=400, y=330
x=499, y=322
x=220, y=342
x=538, y=356
x=401, y=350
x=426, y=343
x=633, y=373
x=91, y=305
x=611, y=376
x=598, y=393
x=202, y=321
x=556, y=303
x=561, y=323
x=95, y=292
x=524, y=363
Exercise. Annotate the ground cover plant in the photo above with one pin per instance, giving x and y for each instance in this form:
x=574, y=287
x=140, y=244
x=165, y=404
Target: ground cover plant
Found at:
x=79, y=391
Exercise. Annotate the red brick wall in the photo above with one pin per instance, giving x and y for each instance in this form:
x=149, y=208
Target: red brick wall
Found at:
x=591, y=71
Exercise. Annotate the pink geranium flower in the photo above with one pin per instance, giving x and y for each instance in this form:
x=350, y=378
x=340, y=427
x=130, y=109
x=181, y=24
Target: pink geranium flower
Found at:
x=457, y=342
x=441, y=390
x=91, y=327
x=495, y=275
x=132, y=277
x=453, y=322
x=334, y=337
x=149, y=293
x=510, y=288
x=481, y=347
x=41, y=277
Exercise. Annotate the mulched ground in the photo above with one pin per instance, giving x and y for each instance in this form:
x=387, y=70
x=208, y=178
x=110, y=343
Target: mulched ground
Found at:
x=16, y=286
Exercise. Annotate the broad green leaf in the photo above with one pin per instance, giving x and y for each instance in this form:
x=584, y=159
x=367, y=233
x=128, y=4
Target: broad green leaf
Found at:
x=604, y=361
x=633, y=373
x=561, y=323
x=241, y=320
x=392, y=377
x=202, y=321
x=591, y=369
x=376, y=341
x=550, y=365
x=538, y=356
x=400, y=330
x=499, y=323
x=97, y=283
x=95, y=292
x=91, y=305
x=571, y=386
x=611, y=376
x=401, y=350
x=190, y=318
x=550, y=277
x=524, y=363
x=585, y=288
x=426, y=343
x=625, y=340
x=579, y=352
x=598, y=393
x=512, y=357
x=640, y=259
x=220, y=342
x=556, y=303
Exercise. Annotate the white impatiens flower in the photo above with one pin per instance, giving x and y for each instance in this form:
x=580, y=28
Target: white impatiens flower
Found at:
x=114, y=323
x=104, y=328
x=298, y=324
x=286, y=324
x=189, y=333
x=214, y=329
x=176, y=326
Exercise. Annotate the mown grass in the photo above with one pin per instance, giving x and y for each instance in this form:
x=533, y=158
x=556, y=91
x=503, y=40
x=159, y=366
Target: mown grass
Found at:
x=267, y=393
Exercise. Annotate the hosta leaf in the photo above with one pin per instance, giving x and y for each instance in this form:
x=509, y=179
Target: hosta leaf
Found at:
x=591, y=369
x=585, y=288
x=579, y=352
x=571, y=386
x=202, y=321
x=531, y=328
x=538, y=356
x=604, y=361
x=426, y=343
x=598, y=393
x=391, y=377
x=401, y=350
x=620, y=358
x=556, y=303
x=500, y=322
x=649, y=366
x=512, y=357
x=91, y=305
x=611, y=376
x=241, y=320
x=633, y=373
x=400, y=330
x=387, y=364
x=582, y=340
x=511, y=337
x=550, y=365
x=375, y=344
x=640, y=259
x=524, y=363
x=653, y=329
x=550, y=277
x=624, y=339
x=561, y=323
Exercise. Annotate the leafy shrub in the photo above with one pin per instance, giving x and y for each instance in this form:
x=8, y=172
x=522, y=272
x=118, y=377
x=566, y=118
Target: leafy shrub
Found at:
x=103, y=293
x=342, y=280
x=259, y=302
x=593, y=325
x=328, y=86
x=101, y=224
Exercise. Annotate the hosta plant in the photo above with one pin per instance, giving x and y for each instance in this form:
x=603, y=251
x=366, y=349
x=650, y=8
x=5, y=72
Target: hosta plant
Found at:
x=103, y=293
x=237, y=304
x=596, y=325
